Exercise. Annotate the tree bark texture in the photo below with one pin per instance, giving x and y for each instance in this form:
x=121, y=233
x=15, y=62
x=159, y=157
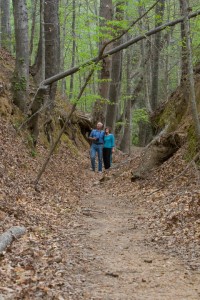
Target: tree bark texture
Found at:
x=5, y=25
x=21, y=74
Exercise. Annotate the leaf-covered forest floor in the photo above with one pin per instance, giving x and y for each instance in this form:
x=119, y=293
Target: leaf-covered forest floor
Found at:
x=92, y=236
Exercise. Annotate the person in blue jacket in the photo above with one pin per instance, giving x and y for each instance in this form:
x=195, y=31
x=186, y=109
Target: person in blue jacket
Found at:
x=108, y=148
x=97, y=138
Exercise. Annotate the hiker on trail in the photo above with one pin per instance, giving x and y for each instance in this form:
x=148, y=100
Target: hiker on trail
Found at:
x=108, y=148
x=97, y=138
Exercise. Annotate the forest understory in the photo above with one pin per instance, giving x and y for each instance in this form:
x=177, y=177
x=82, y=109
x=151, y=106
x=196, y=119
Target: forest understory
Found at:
x=92, y=236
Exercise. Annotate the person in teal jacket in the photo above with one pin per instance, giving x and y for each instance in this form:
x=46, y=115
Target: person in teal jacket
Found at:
x=108, y=148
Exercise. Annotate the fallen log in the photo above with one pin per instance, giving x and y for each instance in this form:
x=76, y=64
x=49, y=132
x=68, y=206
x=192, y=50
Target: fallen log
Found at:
x=10, y=235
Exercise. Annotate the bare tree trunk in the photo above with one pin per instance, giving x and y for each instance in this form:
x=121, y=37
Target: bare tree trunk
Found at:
x=125, y=144
x=47, y=64
x=73, y=48
x=114, y=89
x=37, y=70
x=184, y=61
x=146, y=54
x=63, y=49
x=52, y=44
x=21, y=74
x=34, y=11
x=145, y=128
x=43, y=63
x=192, y=97
x=5, y=25
x=99, y=109
x=159, y=12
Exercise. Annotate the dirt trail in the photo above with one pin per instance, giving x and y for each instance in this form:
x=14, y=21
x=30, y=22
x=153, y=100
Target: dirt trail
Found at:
x=118, y=263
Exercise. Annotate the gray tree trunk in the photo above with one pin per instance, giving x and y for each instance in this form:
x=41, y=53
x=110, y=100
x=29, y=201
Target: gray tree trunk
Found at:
x=159, y=12
x=63, y=50
x=21, y=74
x=5, y=25
x=71, y=88
x=52, y=43
x=125, y=144
x=114, y=89
x=145, y=128
x=192, y=96
x=37, y=70
x=99, y=109
x=146, y=54
x=43, y=64
x=184, y=61
x=47, y=64
x=33, y=16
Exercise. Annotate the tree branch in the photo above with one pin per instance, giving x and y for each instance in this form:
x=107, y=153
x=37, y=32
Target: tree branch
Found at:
x=117, y=49
x=67, y=119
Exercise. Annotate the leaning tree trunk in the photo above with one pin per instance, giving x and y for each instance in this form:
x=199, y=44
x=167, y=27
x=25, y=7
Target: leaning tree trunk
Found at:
x=21, y=74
